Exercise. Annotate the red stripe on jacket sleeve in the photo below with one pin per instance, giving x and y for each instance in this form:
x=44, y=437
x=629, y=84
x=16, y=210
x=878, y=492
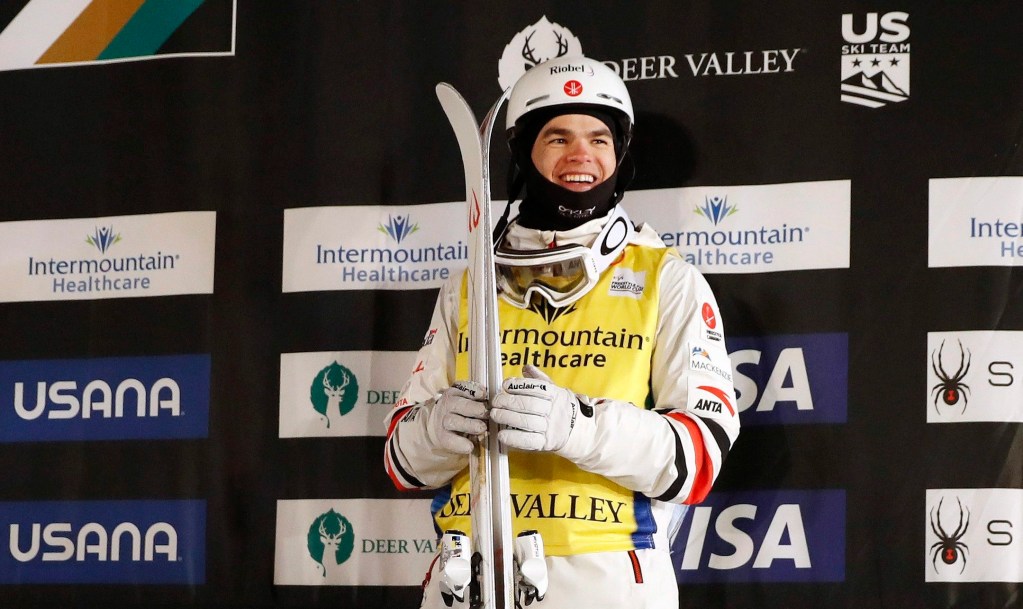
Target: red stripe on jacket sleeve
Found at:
x=396, y=418
x=703, y=477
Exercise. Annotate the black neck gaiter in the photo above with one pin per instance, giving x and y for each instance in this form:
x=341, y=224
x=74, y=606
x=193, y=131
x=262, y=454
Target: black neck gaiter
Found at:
x=548, y=206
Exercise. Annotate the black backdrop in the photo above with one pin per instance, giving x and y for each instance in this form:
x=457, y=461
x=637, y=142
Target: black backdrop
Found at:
x=331, y=104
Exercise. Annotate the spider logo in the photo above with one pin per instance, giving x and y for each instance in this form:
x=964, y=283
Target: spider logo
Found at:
x=949, y=547
x=951, y=388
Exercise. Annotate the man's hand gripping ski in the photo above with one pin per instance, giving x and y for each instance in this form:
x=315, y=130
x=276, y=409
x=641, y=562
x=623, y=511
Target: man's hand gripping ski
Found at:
x=535, y=415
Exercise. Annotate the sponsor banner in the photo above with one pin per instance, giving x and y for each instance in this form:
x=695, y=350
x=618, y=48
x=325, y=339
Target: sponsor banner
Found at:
x=875, y=58
x=544, y=40
x=103, y=542
x=970, y=535
x=118, y=398
x=768, y=536
x=790, y=379
x=975, y=222
x=751, y=229
x=971, y=376
x=111, y=257
x=54, y=33
x=353, y=542
x=345, y=393
x=373, y=247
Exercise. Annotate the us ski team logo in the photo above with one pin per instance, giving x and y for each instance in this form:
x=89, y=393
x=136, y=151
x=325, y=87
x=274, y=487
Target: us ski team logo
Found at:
x=537, y=43
x=333, y=392
x=53, y=33
x=330, y=542
x=875, y=60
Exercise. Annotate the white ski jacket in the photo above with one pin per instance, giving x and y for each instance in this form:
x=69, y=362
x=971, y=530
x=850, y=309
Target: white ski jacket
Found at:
x=671, y=453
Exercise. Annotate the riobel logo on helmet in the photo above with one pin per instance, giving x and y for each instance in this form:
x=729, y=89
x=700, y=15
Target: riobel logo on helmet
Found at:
x=579, y=69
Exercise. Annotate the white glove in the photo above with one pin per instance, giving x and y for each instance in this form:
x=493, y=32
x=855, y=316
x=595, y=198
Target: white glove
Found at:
x=459, y=412
x=537, y=414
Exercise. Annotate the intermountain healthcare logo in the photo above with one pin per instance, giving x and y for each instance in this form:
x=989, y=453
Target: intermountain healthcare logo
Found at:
x=398, y=227
x=120, y=398
x=340, y=394
x=84, y=259
x=716, y=209
x=752, y=229
x=103, y=542
x=975, y=221
x=353, y=542
x=49, y=33
x=769, y=536
x=875, y=62
x=103, y=238
x=971, y=376
x=971, y=535
x=373, y=247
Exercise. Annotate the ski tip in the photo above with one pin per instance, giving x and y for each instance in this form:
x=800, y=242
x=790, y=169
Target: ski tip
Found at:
x=446, y=91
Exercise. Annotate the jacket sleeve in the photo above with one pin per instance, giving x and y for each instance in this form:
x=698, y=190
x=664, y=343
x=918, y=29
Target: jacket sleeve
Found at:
x=675, y=451
x=411, y=459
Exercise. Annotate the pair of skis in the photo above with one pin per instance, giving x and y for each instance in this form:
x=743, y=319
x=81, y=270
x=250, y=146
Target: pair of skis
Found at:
x=491, y=565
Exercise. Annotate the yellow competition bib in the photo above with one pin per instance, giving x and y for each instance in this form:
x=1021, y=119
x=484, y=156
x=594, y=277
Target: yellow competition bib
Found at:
x=601, y=347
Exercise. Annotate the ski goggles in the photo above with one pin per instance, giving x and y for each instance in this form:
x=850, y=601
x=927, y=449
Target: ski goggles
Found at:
x=564, y=274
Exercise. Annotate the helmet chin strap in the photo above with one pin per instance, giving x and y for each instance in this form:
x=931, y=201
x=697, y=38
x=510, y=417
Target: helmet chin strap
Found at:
x=548, y=206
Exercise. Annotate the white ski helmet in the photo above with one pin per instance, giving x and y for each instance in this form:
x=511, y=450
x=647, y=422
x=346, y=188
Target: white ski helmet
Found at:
x=570, y=81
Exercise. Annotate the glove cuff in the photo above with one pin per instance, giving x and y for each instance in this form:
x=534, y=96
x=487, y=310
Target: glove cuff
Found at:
x=583, y=431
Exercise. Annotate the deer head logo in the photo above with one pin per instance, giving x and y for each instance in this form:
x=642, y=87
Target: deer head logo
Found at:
x=330, y=542
x=537, y=43
x=334, y=392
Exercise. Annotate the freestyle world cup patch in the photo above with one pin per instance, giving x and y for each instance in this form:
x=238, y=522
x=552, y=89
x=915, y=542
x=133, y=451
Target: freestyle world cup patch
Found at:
x=50, y=33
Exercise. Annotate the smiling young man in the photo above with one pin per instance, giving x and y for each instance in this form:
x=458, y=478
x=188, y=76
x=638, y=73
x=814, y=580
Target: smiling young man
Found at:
x=618, y=403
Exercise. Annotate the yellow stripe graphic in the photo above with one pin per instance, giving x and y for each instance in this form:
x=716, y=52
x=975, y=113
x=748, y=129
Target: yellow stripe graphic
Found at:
x=92, y=31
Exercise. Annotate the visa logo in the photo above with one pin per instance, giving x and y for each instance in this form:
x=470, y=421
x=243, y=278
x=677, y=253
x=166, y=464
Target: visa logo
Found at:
x=786, y=379
x=776, y=536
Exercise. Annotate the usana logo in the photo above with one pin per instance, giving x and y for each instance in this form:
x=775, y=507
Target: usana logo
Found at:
x=875, y=62
x=103, y=238
x=716, y=209
x=950, y=387
x=334, y=392
x=398, y=227
x=330, y=541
